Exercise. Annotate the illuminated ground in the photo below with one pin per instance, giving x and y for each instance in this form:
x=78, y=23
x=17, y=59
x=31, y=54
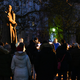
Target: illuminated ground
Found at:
x=54, y=78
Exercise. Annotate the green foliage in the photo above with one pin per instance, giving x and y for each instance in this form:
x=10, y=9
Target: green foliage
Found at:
x=61, y=15
x=57, y=24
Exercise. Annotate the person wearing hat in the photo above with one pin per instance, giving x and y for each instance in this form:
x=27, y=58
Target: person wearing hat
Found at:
x=21, y=65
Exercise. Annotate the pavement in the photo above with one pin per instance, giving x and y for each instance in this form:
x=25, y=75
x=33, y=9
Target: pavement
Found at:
x=56, y=77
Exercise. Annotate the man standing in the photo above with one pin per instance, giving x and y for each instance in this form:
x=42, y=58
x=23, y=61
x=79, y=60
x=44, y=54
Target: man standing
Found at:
x=56, y=43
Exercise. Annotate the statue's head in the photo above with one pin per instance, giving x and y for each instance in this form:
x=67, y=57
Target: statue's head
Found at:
x=10, y=8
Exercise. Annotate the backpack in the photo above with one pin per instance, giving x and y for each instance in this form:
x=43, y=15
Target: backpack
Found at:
x=59, y=63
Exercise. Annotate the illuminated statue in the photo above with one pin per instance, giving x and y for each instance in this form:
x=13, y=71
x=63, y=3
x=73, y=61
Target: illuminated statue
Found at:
x=9, y=34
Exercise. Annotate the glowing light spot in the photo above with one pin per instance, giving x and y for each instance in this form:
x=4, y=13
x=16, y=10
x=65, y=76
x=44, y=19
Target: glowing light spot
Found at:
x=53, y=29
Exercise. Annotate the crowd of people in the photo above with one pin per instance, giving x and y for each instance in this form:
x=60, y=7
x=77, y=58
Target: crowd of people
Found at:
x=21, y=62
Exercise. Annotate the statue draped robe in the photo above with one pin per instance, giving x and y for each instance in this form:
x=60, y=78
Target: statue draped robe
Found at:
x=9, y=34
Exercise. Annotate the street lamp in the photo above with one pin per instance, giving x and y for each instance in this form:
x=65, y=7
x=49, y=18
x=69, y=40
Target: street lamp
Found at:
x=53, y=29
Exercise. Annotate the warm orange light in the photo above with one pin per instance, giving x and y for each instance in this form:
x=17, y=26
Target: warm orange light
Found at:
x=66, y=0
x=11, y=78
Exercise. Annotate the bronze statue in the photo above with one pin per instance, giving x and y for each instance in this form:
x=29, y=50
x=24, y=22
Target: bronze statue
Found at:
x=9, y=34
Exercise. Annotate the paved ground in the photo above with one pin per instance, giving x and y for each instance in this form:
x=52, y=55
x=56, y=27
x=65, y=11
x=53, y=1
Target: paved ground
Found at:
x=54, y=78
x=57, y=77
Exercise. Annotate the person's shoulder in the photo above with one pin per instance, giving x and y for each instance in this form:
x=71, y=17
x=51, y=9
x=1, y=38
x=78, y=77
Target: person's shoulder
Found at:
x=54, y=43
x=26, y=55
x=59, y=48
x=58, y=43
x=14, y=56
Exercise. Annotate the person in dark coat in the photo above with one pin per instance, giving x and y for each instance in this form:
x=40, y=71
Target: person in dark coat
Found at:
x=5, y=63
x=31, y=51
x=12, y=52
x=46, y=63
x=64, y=57
x=75, y=54
x=13, y=49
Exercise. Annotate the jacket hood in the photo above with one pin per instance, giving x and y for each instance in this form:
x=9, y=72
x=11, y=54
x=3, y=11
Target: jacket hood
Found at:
x=20, y=55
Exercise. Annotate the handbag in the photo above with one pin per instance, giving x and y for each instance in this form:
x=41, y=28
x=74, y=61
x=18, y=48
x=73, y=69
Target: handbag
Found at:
x=59, y=63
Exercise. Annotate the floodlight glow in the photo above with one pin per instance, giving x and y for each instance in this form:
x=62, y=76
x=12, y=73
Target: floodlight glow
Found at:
x=53, y=29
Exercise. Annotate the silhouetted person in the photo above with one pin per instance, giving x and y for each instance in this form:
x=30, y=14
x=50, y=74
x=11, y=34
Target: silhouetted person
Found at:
x=45, y=63
x=64, y=57
x=5, y=63
x=31, y=51
x=13, y=49
x=75, y=53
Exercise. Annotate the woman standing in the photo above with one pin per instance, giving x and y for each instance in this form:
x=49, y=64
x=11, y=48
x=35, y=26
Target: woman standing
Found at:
x=21, y=66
